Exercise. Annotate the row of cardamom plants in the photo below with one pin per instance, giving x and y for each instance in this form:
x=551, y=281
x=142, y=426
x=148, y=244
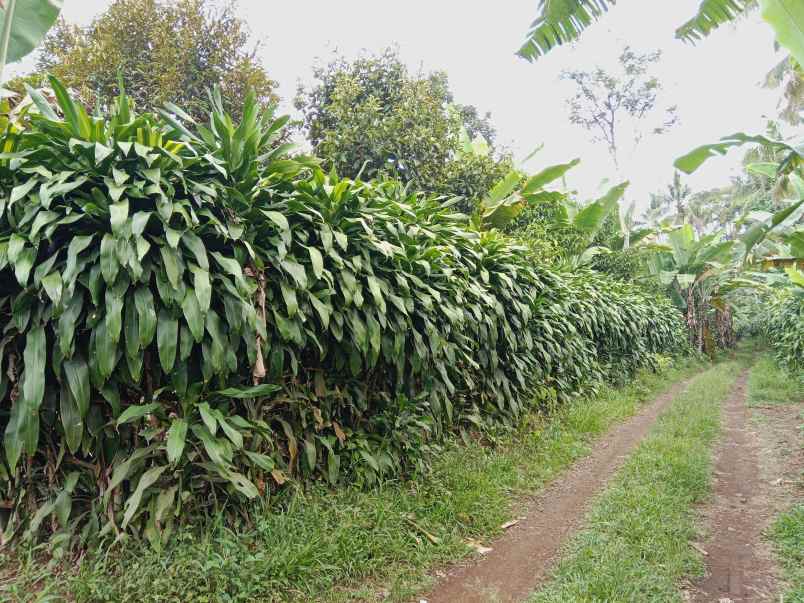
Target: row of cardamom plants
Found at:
x=191, y=317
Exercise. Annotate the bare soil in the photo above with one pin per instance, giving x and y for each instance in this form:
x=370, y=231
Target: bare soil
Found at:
x=757, y=461
x=522, y=557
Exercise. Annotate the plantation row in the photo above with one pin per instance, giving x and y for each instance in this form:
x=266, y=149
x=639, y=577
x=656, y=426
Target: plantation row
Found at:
x=191, y=317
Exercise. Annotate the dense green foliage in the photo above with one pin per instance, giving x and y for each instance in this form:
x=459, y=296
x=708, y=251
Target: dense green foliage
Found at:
x=164, y=51
x=190, y=315
x=784, y=328
x=372, y=117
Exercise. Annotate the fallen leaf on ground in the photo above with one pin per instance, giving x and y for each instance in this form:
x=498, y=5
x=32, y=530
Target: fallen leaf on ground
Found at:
x=479, y=547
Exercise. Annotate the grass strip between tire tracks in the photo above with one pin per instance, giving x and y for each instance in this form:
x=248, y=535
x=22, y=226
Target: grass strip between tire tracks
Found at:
x=636, y=543
x=770, y=385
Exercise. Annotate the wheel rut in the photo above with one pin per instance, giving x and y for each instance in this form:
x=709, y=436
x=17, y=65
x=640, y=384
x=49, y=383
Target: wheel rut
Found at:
x=739, y=563
x=522, y=557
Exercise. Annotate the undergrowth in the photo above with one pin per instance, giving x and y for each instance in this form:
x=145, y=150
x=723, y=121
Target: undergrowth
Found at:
x=770, y=384
x=788, y=538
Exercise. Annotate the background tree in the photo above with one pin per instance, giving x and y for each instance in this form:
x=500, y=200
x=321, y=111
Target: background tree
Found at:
x=165, y=51
x=372, y=117
x=673, y=203
x=614, y=105
x=789, y=76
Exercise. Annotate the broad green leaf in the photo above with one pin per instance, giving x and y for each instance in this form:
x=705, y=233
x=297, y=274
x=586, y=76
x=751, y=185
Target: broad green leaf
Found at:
x=136, y=412
x=503, y=188
x=171, y=264
x=232, y=267
x=296, y=271
x=110, y=265
x=208, y=417
x=256, y=391
x=193, y=316
x=264, y=462
x=35, y=357
x=146, y=314
x=317, y=261
x=194, y=243
x=53, y=286
x=786, y=17
x=690, y=162
x=278, y=219
x=71, y=419
x=202, y=287
x=167, y=334
x=147, y=480
x=591, y=218
x=118, y=215
x=77, y=374
x=548, y=175
x=176, y=437
x=31, y=21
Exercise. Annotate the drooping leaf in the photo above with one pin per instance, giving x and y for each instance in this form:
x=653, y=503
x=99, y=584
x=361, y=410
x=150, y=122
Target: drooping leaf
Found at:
x=176, y=437
x=31, y=21
x=167, y=336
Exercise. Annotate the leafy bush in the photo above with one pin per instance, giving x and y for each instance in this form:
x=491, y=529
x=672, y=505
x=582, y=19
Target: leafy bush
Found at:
x=191, y=317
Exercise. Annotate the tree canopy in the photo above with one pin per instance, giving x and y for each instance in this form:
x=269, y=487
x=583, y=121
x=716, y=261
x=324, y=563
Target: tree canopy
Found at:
x=163, y=51
x=372, y=117
x=604, y=101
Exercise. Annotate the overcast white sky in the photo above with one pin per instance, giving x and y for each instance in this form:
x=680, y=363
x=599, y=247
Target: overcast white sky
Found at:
x=716, y=85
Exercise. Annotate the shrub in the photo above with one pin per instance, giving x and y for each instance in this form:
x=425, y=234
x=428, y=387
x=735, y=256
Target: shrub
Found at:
x=191, y=317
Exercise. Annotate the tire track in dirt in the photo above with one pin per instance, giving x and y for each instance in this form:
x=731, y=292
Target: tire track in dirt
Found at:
x=522, y=557
x=739, y=563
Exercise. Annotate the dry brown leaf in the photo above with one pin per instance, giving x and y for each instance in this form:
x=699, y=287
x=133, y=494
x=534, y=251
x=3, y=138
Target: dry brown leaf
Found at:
x=483, y=550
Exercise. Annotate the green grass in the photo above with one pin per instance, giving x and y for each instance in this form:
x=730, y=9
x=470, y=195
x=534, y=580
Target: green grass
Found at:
x=347, y=544
x=769, y=384
x=788, y=539
x=636, y=543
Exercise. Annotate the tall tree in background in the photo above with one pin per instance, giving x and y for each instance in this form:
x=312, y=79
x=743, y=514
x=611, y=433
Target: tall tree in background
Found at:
x=673, y=203
x=617, y=107
x=789, y=76
x=372, y=117
x=165, y=51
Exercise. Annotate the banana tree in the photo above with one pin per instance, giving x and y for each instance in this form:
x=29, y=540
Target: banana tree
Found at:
x=694, y=271
x=515, y=191
x=563, y=21
x=23, y=24
x=770, y=240
x=511, y=195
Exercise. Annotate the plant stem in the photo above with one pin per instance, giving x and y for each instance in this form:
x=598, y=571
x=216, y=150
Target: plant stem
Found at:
x=9, y=18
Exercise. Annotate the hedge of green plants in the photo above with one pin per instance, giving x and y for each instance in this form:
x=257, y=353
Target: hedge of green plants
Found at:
x=784, y=327
x=191, y=317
